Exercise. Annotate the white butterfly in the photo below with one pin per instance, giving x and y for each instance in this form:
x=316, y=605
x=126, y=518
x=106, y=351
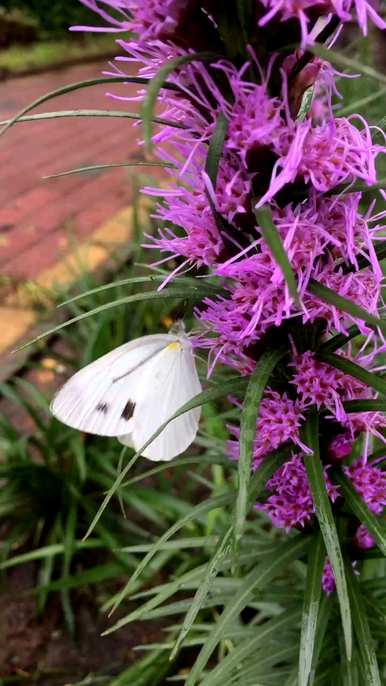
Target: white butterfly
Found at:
x=130, y=392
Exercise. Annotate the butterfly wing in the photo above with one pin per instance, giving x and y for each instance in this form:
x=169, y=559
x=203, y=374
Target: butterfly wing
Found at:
x=171, y=381
x=101, y=398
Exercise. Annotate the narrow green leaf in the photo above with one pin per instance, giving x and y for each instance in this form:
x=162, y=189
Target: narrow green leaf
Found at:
x=326, y=521
x=196, y=512
x=102, y=167
x=158, y=81
x=94, y=575
x=216, y=146
x=193, y=293
x=60, y=114
x=375, y=525
x=353, y=369
x=370, y=671
x=310, y=614
x=339, y=340
x=257, y=578
x=202, y=592
x=267, y=631
x=365, y=405
x=249, y=416
x=47, y=551
x=273, y=239
x=153, y=278
x=345, y=62
x=329, y=296
x=70, y=88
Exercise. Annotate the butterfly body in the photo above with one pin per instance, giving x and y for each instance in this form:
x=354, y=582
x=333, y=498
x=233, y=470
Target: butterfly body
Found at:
x=132, y=390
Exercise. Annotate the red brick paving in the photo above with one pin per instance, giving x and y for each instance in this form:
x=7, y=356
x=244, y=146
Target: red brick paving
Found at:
x=37, y=217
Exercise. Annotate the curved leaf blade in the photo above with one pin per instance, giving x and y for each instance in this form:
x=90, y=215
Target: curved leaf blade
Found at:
x=249, y=416
x=311, y=605
x=329, y=296
x=216, y=146
x=375, y=525
x=273, y=239
x=326, y=521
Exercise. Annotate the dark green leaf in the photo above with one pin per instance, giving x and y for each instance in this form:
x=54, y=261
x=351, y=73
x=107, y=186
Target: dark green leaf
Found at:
x=316, y=557
x=329, y=296
x=257, y=578
x=349, y=367
x=339, y=340
x=275, y=244
x=158, y=81
x=249, y=416
x=365, y=405
x=375, y=525
x=202, y=591
x=370, y=671
x=326, y=521
x=216, y=146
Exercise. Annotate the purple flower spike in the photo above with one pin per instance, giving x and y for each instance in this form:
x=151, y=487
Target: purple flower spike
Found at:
x=370, y=483
x=291, y=504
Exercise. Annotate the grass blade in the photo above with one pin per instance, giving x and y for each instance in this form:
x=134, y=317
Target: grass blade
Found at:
x=202, y=592
x=249, y=416
x=216, y=146
x=196, y=512
x=326, y=521
x=258, y=577
x=339, y=340
x=329, y=296
x=102, y=167
x=375, y=525
x=158, y=81
x=310, y=614
x=70, y=88
x=353, y=369
x=221, y=674
x=370, y=671
x=193, y=293
x=275, y=244
x=43, y=116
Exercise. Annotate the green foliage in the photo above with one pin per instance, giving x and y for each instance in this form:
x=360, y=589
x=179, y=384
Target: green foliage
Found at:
x=53, y=17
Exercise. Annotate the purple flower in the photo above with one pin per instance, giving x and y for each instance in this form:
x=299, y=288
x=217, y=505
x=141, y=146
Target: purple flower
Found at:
x=278, y=423
x=370, y=483
x=291, y=504
x=328, y=579
x=304, y=10
x=363, y=539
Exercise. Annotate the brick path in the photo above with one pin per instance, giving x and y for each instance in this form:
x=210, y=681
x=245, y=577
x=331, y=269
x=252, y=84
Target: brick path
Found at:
x=40, y=221
x=38, y=218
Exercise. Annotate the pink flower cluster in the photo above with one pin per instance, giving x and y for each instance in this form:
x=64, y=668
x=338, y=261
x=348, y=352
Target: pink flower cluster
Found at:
x=291, y=504
x=302, y=166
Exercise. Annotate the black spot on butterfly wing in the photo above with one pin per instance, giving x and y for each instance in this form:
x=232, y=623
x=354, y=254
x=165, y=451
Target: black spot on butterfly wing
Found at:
x=102, y=407
x=128, y=410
